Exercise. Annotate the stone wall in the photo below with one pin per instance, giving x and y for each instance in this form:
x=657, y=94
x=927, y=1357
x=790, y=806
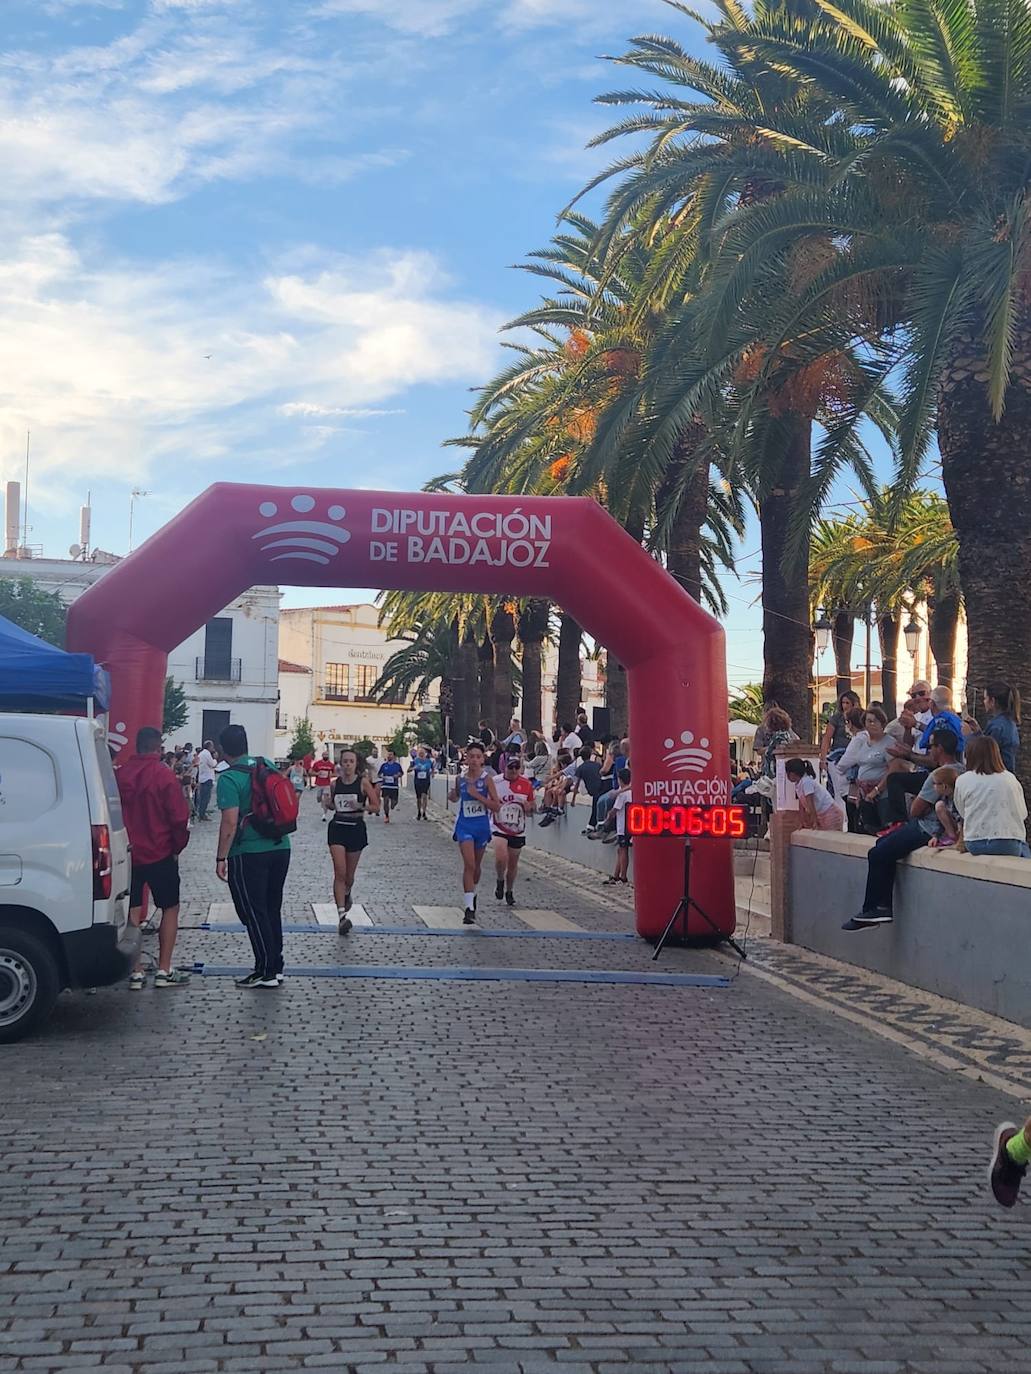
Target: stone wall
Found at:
x=961, y=929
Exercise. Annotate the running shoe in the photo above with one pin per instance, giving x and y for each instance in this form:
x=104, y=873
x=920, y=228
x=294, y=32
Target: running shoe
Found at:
x=175, y=979
x=510, y=898
x=469, y=919
x=259, y=980
x=867, y=919
x=1005, y=1176
x=137, y=981
x=499, y=890
x=345, y=925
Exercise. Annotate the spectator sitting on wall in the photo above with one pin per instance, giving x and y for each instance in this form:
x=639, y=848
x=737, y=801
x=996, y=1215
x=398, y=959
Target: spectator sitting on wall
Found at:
x=835, y=739
x=867, y=753
x=588, y=773
x=944, y=780
x=943, y=751
x=901, y=785
x=540, y=763
x=991, y=802
x=618, y=759
x=1002, y=706
x=560, y=780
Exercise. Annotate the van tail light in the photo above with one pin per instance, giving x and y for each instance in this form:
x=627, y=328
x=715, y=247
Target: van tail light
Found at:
x=101, y=863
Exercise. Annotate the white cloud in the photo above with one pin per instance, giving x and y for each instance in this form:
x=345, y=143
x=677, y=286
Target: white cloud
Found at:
x=185, y=98
x=109, y=366
x=433, y=18
x=309, y=410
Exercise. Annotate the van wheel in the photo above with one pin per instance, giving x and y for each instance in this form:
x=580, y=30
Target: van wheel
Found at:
x=29, y=983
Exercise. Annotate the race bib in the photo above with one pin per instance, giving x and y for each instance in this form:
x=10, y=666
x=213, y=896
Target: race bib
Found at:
x=472, y=808
x=348, y=803
x=512, y=817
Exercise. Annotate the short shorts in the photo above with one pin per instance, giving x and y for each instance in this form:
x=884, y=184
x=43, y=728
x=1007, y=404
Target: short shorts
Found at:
x=624, y=841
x=470, y=830
x=163, y=880
x=514, y=841
x=390, y=794
x=422, y=786
x=353, y=838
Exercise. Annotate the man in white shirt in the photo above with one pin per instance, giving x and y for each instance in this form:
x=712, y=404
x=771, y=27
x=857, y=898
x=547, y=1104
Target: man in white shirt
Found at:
x=205, y=763
x=570, y=739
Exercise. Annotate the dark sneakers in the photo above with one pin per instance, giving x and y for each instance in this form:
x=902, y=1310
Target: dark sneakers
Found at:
x=510, y=898
x=258, y=980
x=1005, y=1177
x=469, y=919
x=345, y=925
x=499, y=889
x=880, y=916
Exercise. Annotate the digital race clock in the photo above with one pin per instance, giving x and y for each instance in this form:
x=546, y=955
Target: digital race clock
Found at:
x=722, y=822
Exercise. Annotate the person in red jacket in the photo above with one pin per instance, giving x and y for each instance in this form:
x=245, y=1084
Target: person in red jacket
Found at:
x=157, y=817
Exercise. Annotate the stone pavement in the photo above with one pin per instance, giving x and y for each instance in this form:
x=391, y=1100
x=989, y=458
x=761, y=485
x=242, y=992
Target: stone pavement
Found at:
x=513, y=1176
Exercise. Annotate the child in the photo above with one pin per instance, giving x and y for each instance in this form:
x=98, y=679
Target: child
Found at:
x=818, y=808
x=944, y=780
x=623, y=841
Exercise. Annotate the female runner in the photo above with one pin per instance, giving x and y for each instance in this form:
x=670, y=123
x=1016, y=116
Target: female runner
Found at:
x=476, y=795
x=352, y=795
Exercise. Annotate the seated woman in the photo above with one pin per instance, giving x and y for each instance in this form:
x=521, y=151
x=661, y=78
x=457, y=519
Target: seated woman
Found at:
x=868, y=754
x=818, y=808
x=560, y=780
x=991, y=802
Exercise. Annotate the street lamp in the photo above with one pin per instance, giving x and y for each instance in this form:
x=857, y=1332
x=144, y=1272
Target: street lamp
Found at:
x=823, y=630
x=912, y=637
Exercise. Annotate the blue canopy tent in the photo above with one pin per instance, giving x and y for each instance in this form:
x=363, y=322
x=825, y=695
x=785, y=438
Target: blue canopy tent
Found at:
x=36, y=676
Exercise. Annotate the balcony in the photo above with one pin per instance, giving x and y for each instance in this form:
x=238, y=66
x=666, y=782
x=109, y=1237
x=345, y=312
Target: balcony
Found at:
x=218, y=669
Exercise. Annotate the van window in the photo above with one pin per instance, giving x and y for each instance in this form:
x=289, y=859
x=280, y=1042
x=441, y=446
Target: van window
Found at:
x=28, y=781
x=109, y=781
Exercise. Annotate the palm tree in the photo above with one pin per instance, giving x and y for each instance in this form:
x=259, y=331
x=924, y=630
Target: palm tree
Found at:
x=428, y=657
x=922, y=184
x=706, y=162
x=534, y=625
x=748, y=703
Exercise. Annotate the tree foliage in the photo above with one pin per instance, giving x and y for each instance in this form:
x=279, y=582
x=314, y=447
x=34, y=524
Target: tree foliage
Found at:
x=25, y=603
x=303, y=742
x=176, y=710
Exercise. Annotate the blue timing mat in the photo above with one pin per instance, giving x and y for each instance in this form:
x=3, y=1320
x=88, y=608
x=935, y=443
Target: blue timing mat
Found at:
x=482, y=975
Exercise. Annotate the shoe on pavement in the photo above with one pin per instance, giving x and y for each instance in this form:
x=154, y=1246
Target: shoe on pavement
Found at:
x=175, y=979
x=510, y=898
x=137, y=981
x=867, y=919
x=345, y=925
x=499, y=890
x=1005, y=1176
x=548, y=820
x=259, y=980
x=469, y=918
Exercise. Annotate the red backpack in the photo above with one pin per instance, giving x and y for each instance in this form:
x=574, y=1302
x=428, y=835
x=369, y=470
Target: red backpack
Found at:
x=274, y=802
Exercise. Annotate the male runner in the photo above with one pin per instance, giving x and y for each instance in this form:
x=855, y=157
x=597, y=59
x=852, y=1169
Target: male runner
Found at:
x=324, y=771
x=515, y=794
x=390, y=775
x=422, y=770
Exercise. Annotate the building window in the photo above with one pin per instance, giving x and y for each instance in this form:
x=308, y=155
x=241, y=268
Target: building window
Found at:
x=365, y=678
x=337, y=681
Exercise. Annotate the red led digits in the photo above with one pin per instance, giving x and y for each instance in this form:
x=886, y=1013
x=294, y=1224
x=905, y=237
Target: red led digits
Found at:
x=687, y=822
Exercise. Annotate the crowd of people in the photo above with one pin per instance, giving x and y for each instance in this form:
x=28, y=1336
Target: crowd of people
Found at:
x=496, y=784
x=932, y=777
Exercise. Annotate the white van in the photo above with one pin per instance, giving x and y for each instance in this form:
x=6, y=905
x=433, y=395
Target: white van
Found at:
x=64, y=867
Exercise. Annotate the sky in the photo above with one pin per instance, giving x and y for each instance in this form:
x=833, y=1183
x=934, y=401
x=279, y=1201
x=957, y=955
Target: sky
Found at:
x=271, y=239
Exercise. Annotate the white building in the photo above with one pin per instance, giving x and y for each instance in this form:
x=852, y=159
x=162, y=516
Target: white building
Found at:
x=592, y=684
x=228, y=669
x=329, y=658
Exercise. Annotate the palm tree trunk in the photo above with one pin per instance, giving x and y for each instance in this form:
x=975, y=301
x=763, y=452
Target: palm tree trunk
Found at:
x=888, y=627
x=617, y=697
x=502, y=632
x=942, y=626
x=843, y=637
x=467, y=680
x=568, y=687
x=533, y=626
x=787, y=637
x=485, y=655
x=987, y=471
x=684, y=550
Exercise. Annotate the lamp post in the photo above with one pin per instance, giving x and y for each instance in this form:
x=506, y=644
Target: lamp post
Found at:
x=911, y=633
x=822, y=631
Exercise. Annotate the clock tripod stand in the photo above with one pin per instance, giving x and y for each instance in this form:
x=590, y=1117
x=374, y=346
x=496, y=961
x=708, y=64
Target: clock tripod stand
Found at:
x=684, y=907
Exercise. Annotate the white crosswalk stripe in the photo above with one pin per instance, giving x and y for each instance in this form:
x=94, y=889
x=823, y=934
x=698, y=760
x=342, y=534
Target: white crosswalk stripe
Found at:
x=326, y=914
x=441, y=917
x=545, y=920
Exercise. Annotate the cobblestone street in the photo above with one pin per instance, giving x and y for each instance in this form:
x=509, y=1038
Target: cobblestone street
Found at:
x=442, y=1173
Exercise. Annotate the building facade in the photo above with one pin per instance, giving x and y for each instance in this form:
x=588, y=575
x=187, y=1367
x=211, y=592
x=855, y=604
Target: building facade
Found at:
x=228, y=670
x=329, y=659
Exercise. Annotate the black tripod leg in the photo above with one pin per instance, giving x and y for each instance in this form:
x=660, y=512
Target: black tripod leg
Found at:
x=680, y=911
x=724, y=939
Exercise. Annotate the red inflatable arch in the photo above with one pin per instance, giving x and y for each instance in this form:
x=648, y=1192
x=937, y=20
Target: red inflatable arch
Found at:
x=567, y=550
